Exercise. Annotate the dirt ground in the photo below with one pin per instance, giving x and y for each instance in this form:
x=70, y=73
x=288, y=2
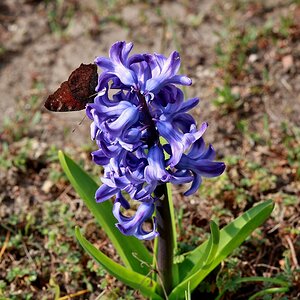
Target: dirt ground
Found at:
x=244, y=59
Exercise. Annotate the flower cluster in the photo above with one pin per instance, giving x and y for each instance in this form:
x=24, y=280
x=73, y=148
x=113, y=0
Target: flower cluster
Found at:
x=145, y=135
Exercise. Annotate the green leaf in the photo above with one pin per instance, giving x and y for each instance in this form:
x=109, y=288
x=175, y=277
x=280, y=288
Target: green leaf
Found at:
x=231, y=236
x=86, y=187
x=131, y=278
x=187, y=294
x=208, y=252
x=213, y=242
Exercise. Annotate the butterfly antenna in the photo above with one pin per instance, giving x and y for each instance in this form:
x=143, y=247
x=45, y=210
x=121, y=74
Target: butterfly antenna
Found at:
x=100, y=93
x=93, y=95
x=74, y=129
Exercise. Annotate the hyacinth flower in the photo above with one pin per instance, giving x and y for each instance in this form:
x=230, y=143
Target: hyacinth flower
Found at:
x=147, y=140
x=128, y=127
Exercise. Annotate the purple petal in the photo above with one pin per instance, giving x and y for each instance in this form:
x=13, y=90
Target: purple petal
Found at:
x=120, y=198
x=180, y=79
x=136, y=58
x=172, y=64
x=128, y=117
x=141, y=234
x=174, y=138
x=105, y=192
x=104, y=63
x=190, y=137
x=197, y=149
x=99, y=158
x=195, y=185
x=156, y=168
x=93, y=129
x=115, y=52
x=125, y=52
x=103, y=80
x=204, y=167
x=188, y=105
x=130, y=225
x=160, y=60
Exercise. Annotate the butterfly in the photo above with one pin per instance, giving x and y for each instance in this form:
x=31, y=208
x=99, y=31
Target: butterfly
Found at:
x=76, y=92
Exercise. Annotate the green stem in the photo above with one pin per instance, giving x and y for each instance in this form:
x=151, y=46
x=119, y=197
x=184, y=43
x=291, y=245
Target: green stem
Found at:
x=165, y=238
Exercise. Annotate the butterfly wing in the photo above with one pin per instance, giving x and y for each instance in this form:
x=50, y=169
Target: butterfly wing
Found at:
x=76, y=92
x=83, y=81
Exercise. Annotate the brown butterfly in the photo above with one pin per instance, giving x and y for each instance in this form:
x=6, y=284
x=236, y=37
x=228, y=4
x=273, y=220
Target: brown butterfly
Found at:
x=76, y=92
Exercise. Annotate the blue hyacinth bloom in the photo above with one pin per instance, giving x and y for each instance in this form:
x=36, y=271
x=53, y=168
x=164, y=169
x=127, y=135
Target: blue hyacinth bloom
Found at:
x=138, y=103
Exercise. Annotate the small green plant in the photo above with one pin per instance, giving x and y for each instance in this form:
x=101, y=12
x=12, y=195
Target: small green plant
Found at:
x=60, y=14
x=230, y=281
x=233, y=50
x=26, y=118
x=285, y=25
x=17, y=159
x=226, y=98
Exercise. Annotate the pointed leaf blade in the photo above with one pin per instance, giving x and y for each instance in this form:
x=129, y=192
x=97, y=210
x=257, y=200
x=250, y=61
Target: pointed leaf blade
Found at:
x=86, y=187
x=127, y=276
x=215, y=239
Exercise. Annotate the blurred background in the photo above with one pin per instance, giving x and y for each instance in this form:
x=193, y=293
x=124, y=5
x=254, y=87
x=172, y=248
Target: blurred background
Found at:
x=244, y=59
